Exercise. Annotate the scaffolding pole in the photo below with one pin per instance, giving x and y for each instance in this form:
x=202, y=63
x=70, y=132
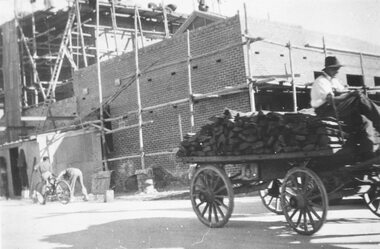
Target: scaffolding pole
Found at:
x=34, y=41
x=343, y=51
x=114, y=25
x=140, y=27
x=50, y=53
x=191, y=102
x=150, y=108
x=61, y=53
x=32, y=62
x=248, y=44
x=180, y=127
x=305, y=48
x=148, y=154
x=40, y=34
x=165, y=19
x=138, y=94
x=294, y=89
x=34, y=55
x=103, y=138
x=121, y=30
x=128, y=127
x=23, y=80
x=80, y=31
x=363, y=74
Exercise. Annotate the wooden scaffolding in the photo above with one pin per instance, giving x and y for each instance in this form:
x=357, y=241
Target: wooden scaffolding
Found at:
x=85, y=52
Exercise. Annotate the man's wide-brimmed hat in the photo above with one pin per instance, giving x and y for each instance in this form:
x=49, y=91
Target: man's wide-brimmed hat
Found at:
x=332, y=62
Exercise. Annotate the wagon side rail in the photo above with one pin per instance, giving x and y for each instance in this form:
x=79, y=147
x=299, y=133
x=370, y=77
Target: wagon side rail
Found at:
x=263, y=157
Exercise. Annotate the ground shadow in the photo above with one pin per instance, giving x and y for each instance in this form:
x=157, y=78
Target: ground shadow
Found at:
x=185, y=233
x=244, y=230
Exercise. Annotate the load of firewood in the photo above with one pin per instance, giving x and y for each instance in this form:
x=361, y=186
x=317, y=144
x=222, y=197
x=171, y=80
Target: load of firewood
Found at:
x=237, y=133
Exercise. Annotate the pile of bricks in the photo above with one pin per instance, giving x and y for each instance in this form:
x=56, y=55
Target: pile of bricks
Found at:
x=236, y=133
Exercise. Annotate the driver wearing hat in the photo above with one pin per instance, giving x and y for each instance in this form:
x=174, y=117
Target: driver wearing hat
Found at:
x=327, y=84
x=354, y=108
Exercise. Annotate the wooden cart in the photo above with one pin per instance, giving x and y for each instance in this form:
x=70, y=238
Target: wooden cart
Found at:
x=298, y=184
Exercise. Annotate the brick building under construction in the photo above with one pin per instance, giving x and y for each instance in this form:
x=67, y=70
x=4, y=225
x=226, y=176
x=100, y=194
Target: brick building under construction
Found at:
x=112, y=86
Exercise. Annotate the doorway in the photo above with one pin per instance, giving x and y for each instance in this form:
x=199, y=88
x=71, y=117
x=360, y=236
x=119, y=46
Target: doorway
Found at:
x=4, y=189
x=13, y=154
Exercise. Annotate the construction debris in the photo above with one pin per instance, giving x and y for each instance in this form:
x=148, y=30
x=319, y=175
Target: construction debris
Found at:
x=236, y=133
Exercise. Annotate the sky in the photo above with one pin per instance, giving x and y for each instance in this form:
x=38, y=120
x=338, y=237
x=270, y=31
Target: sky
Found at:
x=354, y=18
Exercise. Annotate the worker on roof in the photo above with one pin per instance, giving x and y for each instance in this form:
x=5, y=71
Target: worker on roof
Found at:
x=331, y=98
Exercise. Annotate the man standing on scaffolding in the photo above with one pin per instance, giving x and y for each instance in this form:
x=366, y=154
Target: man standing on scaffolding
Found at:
x=330, y=98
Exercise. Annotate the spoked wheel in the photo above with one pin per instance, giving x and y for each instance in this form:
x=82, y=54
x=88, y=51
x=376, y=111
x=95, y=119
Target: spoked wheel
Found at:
x=212, y=196
x=372, y=196
x=271, y=196
x=63, y=192
x=41, y=193
x=304, y=200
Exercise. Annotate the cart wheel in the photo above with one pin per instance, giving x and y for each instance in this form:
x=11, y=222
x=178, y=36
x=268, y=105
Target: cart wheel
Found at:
x=271, y=196
x=212, y=196
x=63, y=192
x=372, y=196
x=41, y=198
x=304, y=199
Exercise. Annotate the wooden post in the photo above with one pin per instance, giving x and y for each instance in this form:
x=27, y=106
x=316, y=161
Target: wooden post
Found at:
x=114, y=25
x=140, y=28
x=292, y=73
x=23, y=79
x=363, y=74
x=165, y=19
x=180, y=126
x=104, y=154
x=69, y=50
x=138, y=94
x=50, y=54
x=34, y=34
x=34, y=55
x=248, y=51
x=79, y=25
x=35, y=77
x=308, y=46
x=76, y=48
x=324, y=46
x=189, y=82
x=35, y=96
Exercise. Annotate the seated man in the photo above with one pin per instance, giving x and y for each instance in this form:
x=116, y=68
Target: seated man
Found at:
x=45, y=170
x=71, y=175
x=329, y=97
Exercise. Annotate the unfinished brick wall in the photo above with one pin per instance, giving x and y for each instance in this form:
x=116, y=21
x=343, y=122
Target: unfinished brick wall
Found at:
x=164, y=78
x=163, y=81
x=65, y=107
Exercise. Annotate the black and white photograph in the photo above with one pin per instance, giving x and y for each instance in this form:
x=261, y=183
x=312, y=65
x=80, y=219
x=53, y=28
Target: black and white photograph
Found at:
x=189, y=124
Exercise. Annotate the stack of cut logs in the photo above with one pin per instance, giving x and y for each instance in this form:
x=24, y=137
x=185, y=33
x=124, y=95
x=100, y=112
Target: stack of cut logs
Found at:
x=236, y=133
